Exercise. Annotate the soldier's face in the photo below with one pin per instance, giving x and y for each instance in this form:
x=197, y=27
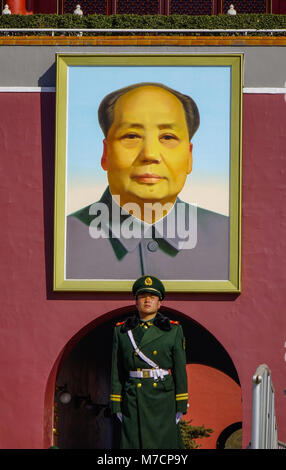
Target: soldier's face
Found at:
x=147, y=153
x=147, y=304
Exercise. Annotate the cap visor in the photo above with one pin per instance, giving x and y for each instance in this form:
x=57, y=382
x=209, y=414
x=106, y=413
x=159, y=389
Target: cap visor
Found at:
x=151, y=290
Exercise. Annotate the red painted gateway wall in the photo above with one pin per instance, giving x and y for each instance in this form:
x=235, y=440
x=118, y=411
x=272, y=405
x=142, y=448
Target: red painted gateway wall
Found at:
x=36, y=324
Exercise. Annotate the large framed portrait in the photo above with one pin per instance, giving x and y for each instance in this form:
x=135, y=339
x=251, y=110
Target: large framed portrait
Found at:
x=148, y=171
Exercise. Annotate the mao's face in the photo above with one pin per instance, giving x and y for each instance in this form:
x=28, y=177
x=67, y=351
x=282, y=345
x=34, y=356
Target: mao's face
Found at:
x=147, y=153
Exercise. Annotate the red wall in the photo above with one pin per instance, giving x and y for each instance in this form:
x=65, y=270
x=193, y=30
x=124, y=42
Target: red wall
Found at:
x=37, y=323
x=47, y=6
x=279, y=6
x=21, y=7
x=215, y=401
x=26, y=7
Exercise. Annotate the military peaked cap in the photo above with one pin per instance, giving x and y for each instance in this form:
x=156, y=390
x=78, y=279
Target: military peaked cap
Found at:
x=149, y=284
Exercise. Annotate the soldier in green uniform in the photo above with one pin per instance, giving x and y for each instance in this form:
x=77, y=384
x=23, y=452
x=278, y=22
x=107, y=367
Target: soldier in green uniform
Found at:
x=149, y=380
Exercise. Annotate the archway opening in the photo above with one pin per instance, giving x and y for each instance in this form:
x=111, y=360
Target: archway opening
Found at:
x=82, y=416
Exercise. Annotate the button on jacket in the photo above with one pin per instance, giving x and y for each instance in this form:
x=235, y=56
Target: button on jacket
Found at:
x=149, y=406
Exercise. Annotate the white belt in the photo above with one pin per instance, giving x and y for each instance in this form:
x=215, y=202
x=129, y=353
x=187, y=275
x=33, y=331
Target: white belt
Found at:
x=148, y=373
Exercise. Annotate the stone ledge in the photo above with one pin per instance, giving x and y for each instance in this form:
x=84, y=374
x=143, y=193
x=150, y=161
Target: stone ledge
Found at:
x=143, y=40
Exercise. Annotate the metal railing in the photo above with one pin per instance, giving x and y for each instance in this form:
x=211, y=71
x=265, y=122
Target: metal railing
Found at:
x=52, y=31
x=264, y=427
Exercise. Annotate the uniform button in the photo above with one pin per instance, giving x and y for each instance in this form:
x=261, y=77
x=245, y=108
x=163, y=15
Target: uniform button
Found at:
x=155, y=384
x=155, y=352
x=139, y=385
x=152, y=246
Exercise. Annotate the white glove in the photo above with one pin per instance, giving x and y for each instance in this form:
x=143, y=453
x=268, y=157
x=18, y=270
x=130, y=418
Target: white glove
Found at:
x=119, y=416
x=178, y=416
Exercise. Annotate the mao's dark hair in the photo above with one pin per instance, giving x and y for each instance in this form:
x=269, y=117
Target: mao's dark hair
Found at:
x=106, y=107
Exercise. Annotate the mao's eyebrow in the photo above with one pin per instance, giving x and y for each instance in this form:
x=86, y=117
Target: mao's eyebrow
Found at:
x=170, y=125
x=137, y=125
x=125, y=125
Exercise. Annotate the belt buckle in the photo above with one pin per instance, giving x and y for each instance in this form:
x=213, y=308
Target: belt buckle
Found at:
x=146, y=373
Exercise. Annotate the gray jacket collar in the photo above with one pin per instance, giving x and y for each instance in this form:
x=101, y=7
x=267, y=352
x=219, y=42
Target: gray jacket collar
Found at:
x=164, y=229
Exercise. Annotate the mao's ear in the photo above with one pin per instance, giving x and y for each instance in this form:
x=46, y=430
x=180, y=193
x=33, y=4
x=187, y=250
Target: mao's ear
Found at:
x=190, y=166
x=104, y=161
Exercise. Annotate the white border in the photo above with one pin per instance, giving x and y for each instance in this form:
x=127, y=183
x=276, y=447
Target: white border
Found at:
x=265, y=90
x=29, y=89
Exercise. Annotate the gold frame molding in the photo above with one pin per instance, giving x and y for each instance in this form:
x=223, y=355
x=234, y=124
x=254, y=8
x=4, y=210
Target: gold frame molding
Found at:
x=235, y=62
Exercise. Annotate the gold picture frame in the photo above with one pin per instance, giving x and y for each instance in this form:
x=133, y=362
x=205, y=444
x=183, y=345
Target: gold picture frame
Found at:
x=178, y=65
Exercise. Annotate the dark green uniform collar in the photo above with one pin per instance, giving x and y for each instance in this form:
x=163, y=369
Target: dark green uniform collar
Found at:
x=147, y=323
x=160, y=321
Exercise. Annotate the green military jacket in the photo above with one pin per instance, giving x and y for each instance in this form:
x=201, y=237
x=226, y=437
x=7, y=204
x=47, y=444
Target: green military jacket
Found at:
x=149, y=406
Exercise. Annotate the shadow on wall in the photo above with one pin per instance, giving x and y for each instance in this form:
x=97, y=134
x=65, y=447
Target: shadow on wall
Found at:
x=48, y=79
x=84, y=421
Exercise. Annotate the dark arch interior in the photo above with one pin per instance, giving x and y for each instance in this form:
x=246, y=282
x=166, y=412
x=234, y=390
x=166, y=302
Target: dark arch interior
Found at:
x=203, y=348
x=85, y=422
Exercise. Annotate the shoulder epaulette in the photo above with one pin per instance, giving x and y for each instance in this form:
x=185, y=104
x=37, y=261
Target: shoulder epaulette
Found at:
x=119, y=323
x=174, y=322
